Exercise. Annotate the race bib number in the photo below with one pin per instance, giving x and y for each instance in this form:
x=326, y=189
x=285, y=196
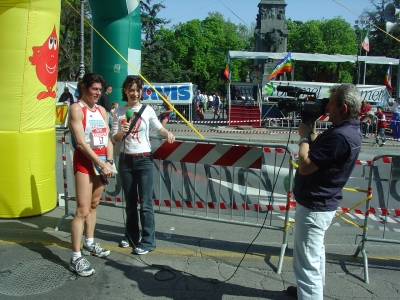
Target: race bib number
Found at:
x=99, y=136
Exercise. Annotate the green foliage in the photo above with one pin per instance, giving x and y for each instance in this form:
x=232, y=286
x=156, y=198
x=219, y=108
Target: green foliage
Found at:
x=196, y=51
x=381, y=43
x=333, y=36
x=70, y=43
x=199, y=48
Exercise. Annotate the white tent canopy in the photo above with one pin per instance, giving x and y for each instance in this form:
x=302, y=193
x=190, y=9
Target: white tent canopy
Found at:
x=383, y=60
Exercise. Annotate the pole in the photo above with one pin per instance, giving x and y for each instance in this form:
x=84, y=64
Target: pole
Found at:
x=365, y=67
x=357, y=71
x=358, y=62
x=81, y=63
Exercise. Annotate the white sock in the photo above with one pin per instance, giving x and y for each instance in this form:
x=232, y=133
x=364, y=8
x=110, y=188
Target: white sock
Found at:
x=76, y=255
x=89, y=242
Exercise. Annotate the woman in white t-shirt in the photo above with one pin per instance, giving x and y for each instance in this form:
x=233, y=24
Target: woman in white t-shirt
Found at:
x=136, y=166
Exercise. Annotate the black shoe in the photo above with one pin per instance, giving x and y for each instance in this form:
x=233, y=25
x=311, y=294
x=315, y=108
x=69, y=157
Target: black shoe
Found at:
x=292, y=291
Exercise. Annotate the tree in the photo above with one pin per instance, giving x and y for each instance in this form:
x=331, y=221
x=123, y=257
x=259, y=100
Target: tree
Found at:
x=150, y=21
x=155, y=57
x=381, y=44
x=333, y=36
x=70, y=28
x=199, y=49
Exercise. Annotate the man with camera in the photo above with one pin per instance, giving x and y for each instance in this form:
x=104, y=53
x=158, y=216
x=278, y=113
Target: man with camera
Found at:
x=325, y=163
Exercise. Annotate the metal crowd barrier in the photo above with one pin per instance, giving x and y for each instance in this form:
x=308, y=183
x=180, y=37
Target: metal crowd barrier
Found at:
x=64, y=197
x=186, y=110
x=387, y=203
x=215, y=180
x=288, y=122
x=250, y=184
x=221, y=181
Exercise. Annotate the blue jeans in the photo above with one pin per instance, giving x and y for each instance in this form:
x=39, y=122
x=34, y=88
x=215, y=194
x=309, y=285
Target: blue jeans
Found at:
x=381, y=133
x=137, y=182
x=309, y=251
x=364, y=128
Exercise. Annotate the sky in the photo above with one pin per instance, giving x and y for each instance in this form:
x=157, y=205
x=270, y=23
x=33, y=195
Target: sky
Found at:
x=245, y=11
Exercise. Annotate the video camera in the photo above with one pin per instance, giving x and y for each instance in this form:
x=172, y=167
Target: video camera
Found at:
x=308, y=108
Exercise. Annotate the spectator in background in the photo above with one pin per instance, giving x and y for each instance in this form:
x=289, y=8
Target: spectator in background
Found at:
x=364, y=118
x=201, y=100
x=395, y=123
x=106, y=103
x=114, y=105
x=166, y=111
x=210, y=101
x=216, y=105
x=196, y=107
x=380, y=126
x=66, y=97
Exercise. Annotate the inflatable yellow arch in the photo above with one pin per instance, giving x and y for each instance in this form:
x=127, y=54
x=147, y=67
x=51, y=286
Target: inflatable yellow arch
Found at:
x=28, y=75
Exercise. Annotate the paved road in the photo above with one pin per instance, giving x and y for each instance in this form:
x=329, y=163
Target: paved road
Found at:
x=194, y=253
x=194, y=259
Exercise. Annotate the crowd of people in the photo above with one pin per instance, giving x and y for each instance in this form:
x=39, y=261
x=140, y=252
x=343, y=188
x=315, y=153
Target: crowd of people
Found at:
x=203, y=102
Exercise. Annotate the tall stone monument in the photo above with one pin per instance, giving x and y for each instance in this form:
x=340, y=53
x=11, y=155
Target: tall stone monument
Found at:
x=270, y=32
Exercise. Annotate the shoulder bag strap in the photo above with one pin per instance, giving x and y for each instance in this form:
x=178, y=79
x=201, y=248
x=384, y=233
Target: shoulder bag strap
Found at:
x=137, y=116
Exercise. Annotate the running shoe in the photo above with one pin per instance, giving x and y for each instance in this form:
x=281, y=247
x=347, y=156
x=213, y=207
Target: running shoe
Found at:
x=81, y=267
x=95, y=250
x=140, y=251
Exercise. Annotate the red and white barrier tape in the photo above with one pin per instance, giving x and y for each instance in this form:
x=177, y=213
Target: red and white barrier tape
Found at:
x=324, y=118
x=256, y=207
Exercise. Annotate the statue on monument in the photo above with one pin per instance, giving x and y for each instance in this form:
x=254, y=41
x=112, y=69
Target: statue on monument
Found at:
x=274, y=40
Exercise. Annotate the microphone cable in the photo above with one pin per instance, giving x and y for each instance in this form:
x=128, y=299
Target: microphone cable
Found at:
x=164, y=268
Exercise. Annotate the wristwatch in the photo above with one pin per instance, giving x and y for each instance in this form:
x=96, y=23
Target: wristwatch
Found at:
x=110, y=161
x=303, y=140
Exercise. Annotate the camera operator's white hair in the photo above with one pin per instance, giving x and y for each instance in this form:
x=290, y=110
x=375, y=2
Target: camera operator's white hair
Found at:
x=347, y=93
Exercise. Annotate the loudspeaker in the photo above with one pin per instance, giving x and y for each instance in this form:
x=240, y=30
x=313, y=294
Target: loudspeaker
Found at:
x=390, y=12
x=390, y=26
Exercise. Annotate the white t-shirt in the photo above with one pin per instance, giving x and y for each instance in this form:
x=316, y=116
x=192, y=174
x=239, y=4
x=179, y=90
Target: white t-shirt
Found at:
x=138, y=140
